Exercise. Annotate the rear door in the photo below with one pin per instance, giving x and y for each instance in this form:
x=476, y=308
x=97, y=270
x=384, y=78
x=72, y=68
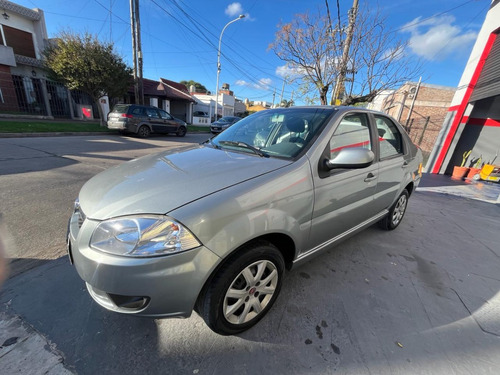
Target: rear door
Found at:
x=344, y=197
x=392, y=163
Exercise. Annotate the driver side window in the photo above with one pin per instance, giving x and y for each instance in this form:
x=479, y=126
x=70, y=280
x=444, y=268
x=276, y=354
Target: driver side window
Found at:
x=152, y=113
x=352, y=132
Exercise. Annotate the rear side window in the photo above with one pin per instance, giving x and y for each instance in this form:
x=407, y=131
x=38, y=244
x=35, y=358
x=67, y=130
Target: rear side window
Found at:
x=390, y=139
x=138, y=111
x=120, y=108
x=352, y=132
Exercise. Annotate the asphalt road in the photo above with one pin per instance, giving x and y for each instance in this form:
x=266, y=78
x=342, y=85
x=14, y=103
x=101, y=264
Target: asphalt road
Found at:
x=41, y=177
x=423, y=299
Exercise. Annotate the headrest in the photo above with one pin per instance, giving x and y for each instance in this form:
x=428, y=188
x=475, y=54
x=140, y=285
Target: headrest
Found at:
x=295, y=124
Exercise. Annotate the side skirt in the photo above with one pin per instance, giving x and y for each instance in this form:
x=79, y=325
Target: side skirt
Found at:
x=341, y=237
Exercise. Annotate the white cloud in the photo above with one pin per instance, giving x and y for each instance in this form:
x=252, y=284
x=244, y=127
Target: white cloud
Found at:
x=262, y=84
x=235, y=9
x=437, y=38
x=287, y=72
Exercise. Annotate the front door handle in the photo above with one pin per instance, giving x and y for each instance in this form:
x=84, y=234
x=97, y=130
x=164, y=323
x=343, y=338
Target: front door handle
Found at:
x=405, y=164
x=370, y=177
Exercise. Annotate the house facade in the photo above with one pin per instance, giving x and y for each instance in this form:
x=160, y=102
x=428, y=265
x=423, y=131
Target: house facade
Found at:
x=25, y=88
x=170, y=96
x=472, y=122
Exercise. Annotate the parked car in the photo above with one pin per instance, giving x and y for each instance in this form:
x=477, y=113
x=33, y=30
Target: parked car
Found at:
x=223, y=123
x=200, y=114
x=144, y=120
x=165, y=234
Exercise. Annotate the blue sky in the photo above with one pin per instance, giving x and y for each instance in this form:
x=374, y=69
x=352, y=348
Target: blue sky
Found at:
x=180, y=37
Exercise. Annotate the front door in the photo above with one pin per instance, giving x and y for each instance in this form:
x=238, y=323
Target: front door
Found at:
x=344, y=197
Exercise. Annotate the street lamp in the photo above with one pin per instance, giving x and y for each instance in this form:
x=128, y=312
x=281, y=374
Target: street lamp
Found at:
x=218, y=63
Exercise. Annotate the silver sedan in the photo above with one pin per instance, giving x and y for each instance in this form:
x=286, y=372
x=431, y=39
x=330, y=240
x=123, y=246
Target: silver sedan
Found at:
x=212, y=228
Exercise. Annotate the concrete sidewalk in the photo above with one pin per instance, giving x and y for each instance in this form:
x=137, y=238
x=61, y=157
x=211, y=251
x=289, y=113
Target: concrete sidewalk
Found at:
x=484, y=191
x=422, y=299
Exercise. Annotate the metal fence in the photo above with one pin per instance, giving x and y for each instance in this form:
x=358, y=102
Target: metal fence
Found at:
x=42, y=97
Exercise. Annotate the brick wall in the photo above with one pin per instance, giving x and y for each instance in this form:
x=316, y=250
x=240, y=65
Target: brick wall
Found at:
x=428, y=114
x=8, y=92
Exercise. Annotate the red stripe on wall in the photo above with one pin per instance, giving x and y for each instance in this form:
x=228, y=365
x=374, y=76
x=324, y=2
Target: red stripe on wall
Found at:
x=461, y=108
x=482, y=121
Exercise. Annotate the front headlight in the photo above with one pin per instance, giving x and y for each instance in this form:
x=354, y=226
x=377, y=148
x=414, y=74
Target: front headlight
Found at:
x=142, y=236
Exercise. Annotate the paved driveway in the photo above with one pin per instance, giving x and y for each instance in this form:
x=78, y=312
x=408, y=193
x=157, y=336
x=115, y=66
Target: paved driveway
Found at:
x=423, y=299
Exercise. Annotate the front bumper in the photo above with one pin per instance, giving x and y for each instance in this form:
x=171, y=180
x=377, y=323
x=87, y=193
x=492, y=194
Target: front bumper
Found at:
x=165, y=286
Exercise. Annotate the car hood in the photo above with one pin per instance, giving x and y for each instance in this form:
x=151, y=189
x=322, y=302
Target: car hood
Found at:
x=159, y=183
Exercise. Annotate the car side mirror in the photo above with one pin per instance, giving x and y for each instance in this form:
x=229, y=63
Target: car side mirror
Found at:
x=351, y=158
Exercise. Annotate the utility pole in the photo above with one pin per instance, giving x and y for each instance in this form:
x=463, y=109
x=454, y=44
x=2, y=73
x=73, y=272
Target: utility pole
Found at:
x=282, y=90
x=134, y=51
x=274, y=96
x=139, y=51
x=135, y=26
x=339, y=85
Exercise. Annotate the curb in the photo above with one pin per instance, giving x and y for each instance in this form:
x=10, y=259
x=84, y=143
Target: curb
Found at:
x=25, y=351
x=48, y=134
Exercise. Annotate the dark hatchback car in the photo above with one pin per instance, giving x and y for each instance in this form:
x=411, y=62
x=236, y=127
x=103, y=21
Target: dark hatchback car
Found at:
x=223, y=123
x=144, y=120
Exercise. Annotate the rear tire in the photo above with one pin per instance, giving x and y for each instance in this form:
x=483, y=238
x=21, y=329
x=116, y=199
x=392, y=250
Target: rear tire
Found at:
x=144, y=131
x=243, y=290
x=396, y=212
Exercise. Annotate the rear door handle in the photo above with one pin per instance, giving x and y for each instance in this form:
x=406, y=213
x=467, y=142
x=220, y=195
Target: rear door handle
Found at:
x=370, y=177
x=405, y=164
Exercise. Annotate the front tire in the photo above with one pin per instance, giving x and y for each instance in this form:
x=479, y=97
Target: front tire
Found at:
x=243, y=290
x=396, y=212
x=181, y=132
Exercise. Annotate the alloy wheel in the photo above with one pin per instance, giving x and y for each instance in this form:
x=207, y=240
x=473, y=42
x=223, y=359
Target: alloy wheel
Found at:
x=399, y=210
x=250, y=292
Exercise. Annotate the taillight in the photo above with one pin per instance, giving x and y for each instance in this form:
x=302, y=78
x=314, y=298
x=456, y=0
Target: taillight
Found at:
x=127, y=116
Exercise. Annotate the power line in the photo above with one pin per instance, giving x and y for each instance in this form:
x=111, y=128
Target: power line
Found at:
x=412, y=24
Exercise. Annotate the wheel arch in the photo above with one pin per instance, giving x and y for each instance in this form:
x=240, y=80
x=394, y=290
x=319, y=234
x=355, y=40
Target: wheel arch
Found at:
x=282, y=242
x=409, y=188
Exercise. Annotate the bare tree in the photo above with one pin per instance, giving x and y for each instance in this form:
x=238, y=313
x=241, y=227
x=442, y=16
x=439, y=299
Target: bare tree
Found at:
x=378, y=59
x=306, y=45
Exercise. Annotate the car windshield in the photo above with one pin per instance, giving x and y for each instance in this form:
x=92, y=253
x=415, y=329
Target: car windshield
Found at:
x=276, y=132
x=225, y=119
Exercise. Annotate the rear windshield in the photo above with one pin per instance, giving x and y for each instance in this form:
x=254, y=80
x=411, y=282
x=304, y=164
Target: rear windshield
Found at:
x=121, y=108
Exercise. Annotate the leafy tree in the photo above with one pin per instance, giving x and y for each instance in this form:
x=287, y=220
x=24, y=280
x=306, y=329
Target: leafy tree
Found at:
x=84, y=63
x=286, y=103
x=312, y=47
x=198, y=86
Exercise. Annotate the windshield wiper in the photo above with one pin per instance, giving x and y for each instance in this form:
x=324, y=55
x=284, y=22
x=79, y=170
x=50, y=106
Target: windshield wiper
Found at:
x=244, y=145
x=211, y=143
